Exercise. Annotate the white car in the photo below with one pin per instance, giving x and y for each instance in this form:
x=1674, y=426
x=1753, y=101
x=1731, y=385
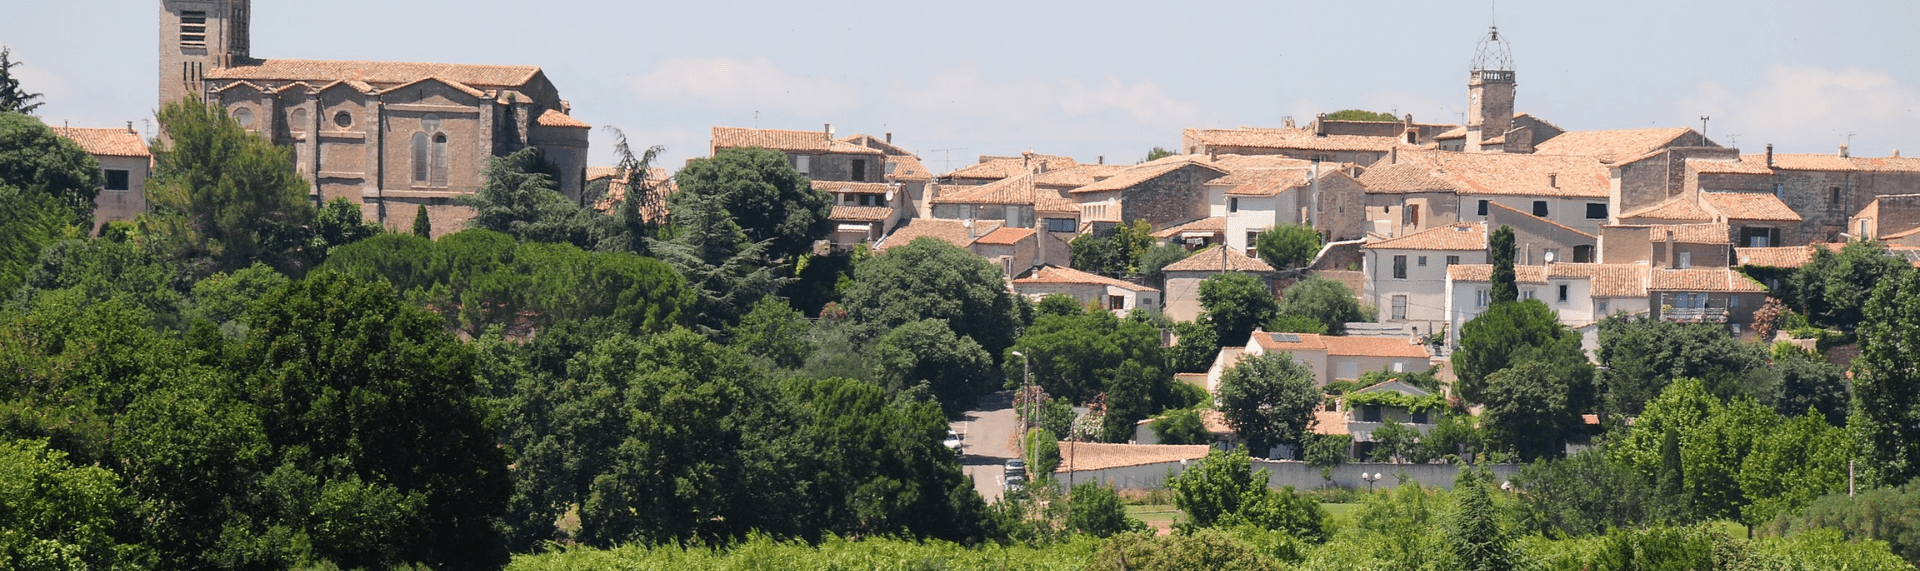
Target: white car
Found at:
x=953, y=441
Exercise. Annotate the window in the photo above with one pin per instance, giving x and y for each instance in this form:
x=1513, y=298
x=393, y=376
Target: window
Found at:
x=1420, y=417
x=1603, y=307
x=343, y=119
x=1540, y=208
x=244, y=117
x=1863, y=228
x=420, y=158
x=1582, y=254
x=1422, y=261
x=1399, y=267
x=1596, y=211
x=1116, y=302
x=1763, y=237
x=1451, y=260
x=1233, y=204
x=1733, y=302
x=1483, y=208
x=193, y=29
x=117, y=180
x=1528, y=294
x=1413, y=214
x=1835, y=197
x=297, y=121
x=859, y=170
x=1563, y=293
x=1480, y=297
x=873, y=200
x=1061, y=225
x=803, y=163
x=1686, y=260
x=1370, y=413
x=1399, y=307
x=439, y=160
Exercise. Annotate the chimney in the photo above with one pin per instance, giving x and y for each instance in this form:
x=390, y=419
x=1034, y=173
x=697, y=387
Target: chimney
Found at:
x=1553, y=179
x=1213, y=155
x=1320, y=125
x=828, y=131
x=889, y=137
x=1287, y=121
x=1393, y=155
x=1896, y=153
x=1102, y=159
x=566, y=107
x=1843, y=150
x=1672, y=262
x=1769, y=155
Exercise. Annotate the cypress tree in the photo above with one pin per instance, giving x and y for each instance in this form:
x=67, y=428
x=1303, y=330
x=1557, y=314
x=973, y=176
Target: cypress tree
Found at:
x=421, y=226
x=1500, y=254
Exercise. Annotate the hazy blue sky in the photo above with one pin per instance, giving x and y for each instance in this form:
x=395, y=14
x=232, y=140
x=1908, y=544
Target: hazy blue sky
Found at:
x=1109, y=78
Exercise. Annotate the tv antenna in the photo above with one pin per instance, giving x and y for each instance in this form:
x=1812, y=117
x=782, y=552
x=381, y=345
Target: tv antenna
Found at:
x=1703, y=126
x=756, y=118
x=1733, y=140
x=947, y=157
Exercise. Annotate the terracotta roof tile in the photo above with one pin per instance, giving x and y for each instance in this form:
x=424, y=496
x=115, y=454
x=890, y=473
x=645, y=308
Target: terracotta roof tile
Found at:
x=1516, y=175
x=617, y=188
x=1265, y=182
x=846, y=186
x=1014, y=190
x=1803, y=162
x=1142, y=173
x=1519, y=212
x=1005, y=236
x=554, y=118
x=1676, y=208
x=1218, y=259
x=1329, y=422
x=1611, y=146
x=1704, y=279
x=1604, y=280
x=1718, y=166
x=1210, y=224
x=377, y=72
x=1484, y=273
x=1051, y=274
x=872, y=142
x=1463, y=236
x=1776, y=257
x=1075, y=176
x=785, y=140
x=1404, y=178
x=1896, y=164
x=1100, y=456
x=1391, y=347
x=991, y=167
x=1267, y=138
x=457, y=85
x=115, y=142
x=860, y=213
x=907, y=168
x=1055, y=206
x=950, y=231
x=1750, y=206
x=1690, y=233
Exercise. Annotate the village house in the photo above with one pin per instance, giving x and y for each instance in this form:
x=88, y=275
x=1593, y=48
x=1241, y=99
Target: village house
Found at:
x=1537, y=240
x=902, y=169
x=1406, y=276
x=1256, y=197
x=1365, y=410
x=1330, y=357
x=1163, y=192
x=1013, y=250
x=1219, y=433
x=125, y=165
x=1893, y=218
x=1581, y=294
x=1674, y=246
x=1571, y=191
x=1304, y=144
x=1118, y=296
x=386, y=135
x=1824, y=191
x=1183, y=278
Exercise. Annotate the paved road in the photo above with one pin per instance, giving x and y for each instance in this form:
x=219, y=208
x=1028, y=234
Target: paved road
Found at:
x=987, y=442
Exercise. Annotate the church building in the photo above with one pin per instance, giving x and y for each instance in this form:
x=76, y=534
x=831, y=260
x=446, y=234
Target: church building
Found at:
x=386, y=135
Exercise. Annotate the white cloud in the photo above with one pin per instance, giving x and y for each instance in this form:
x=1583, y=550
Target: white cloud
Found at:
x=1144, y=101
x=1808, y=109
x=964, y=91
x=741, y=83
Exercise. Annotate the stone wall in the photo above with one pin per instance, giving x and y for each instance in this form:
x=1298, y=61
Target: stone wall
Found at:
x=112, y=205
x=1168, y=199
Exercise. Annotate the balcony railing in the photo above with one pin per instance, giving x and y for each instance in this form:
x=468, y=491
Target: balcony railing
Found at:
x=1694, y=314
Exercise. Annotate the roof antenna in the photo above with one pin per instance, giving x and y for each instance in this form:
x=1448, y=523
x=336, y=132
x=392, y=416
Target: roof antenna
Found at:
x=756, y=119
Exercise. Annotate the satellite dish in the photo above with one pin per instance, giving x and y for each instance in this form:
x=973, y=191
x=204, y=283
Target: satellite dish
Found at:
x=890, y=194
x=1550, y=255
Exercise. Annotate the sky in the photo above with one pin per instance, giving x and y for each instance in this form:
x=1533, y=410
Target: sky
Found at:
x=1112, y=79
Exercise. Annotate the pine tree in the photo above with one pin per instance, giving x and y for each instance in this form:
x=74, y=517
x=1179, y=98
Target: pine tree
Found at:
x=1500, y=254
x=1474, y=532
x=422, y=227
x=11, y=97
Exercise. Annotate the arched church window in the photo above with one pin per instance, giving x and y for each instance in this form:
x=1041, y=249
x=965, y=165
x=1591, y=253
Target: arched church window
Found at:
x=439, y=159
x=419, y=158
x=297, y=121
x=244, y=116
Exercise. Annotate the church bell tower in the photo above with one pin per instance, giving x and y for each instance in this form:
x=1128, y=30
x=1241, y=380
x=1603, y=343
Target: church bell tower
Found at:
x=197, y=36
x=1489, y=91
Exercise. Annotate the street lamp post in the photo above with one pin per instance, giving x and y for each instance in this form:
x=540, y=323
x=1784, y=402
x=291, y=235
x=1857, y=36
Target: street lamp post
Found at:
x=1370, y=478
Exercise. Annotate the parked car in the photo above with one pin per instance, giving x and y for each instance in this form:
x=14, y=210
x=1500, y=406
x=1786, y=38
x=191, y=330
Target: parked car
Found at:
x=953, y=440
x=1016, y=467
x=1015, y=483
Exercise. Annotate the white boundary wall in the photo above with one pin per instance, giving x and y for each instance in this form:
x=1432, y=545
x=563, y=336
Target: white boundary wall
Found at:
x=1282, y=473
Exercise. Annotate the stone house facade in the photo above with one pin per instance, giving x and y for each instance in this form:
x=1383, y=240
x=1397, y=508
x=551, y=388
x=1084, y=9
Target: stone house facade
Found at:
x=1406, y=276
x=1677, y=246
x=1537, y=240
x=125, y=165
x=1580, y=294
x=1164, y=193
x=1886, y=216
x=1337, y=358
x=1183, y=278
x=1118, y=296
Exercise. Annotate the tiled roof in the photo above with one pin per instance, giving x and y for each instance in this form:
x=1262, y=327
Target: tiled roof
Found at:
x=873, y=142
x=1218, y=259
x=907, y=167
x=1005, y=236
x=1075, y=176
x=784, y=140
x=1484, y=273
x=376, y=72
x=554, y=118
x=846, y=186
x=1517, y=175
x=1263, y=138
x=1289, y=341
x=1611, y=146
x=1519, y=212
x=991, y=167
x=1757, y=164
x=1604, y=280
x=1903, y=234
x=1013, y=190
x=1459, y=236
x=950, y=231
x=1777, y=257
x=1676, y=208
x=1055, y=205
x=1750, y=206
x=1898, y=164
x=1265, y=182
x=1704, y=279
x=1393, y=347
x=1128, y=178
x=1454, y=133
x=1329, y=422
x=1716, y=166
x=860, y=213
x=461, y=87
x=1403, y=178
x=1210, y=224
x=1051, y=274
x=617, y=188
x=1236, y=163
x=1101, y=456
x=1690, y=233
x=116, y=142
x=597, y=173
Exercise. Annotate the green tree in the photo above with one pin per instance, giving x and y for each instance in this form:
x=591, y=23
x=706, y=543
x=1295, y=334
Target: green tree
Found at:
x=422, y=226
x=223, y=298
x=38, y=162
x=1789, y=467
x=1215, y=487
x=1288, y=246
x=1079, y=356
x=1642, y=355
x=1058, y=304
x=1833, y=290
x=637, y=215
x=727, y=272
x=32, y=222
x=13, y=99
x=773, y=330
x=1807, y=381
x=1327, y=450
x=1114, y=254
x=1181, y=426
x=520, y=200
x=927, y=353
x=1886, y=387
x=1095, y=510
x=1493, y=340
x=224, y=197
x=1474, y=531
x=1154, y=261
x=1131, y=398
x=931, y=279
x=1269, y=399
x=1500, y=254
x=1043, y=452
x=1204, y=549
x=1236, y=304
x=767, y=199
x=1157, y=153
x=1328, y=302
x=1394, y=441
x=57, y=515
x=1534, y=407
x=1361, y=115
x=1584, y=494
x=1197, y=346
x=340, y=223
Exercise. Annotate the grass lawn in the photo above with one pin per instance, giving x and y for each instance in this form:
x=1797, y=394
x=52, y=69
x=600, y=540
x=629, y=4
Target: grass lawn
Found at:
x=1158, y=515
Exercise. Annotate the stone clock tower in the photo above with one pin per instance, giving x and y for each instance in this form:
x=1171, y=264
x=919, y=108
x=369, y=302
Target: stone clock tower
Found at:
x=197, y=36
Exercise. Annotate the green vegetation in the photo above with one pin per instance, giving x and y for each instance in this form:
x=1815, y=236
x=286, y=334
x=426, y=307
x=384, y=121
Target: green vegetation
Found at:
x=1317, y=300
x=1268, y=399
x=1361, y=115
x=1288, y=246
x=1236, y=303
x=1119, y=253
x=13, y=99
